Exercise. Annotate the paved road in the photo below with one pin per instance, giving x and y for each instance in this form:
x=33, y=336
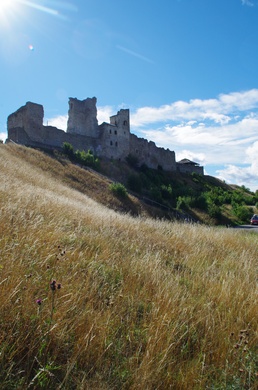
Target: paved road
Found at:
x=251, y=228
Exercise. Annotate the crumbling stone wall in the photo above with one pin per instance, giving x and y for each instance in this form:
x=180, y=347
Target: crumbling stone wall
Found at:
x=82, y=117
x=25, y=126
x=109, y=140
x=148, y=153
x=28, y=118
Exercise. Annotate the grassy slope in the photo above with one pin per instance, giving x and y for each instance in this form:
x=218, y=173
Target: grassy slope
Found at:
x=144, y=304
x=185, y=185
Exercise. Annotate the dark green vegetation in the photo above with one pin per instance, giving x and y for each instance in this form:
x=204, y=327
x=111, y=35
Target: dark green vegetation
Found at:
x=118, y=189
x=80, y=156
x=191, y=196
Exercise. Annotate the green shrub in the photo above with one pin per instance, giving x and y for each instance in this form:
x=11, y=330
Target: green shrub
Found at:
x=119, y=190
x=242, y=213
x=183, y=202
x=199, y=202
x=68, y=149
x=80, y=156
x=214, y=211
x=86, y=158
x=246, y=189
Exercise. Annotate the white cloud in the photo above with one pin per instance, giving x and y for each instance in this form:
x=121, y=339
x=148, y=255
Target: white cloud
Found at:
x=233, y=174
x=194, y=156
x=221, y=144
x=104, y=113
x=59, y=121
x=3, y=136
x=243, y=175
x=212, y=132
x=218, y=110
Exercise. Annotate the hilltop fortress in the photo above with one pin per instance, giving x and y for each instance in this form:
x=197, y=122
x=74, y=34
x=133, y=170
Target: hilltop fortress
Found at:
x=109, y=140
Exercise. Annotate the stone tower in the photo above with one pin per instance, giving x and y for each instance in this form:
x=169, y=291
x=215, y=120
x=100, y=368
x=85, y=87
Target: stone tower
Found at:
x=83, y=117
x=27, y=121
x=121, y=120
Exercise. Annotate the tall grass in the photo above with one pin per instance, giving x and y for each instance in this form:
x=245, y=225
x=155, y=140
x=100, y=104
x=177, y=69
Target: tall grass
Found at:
x=143, y=304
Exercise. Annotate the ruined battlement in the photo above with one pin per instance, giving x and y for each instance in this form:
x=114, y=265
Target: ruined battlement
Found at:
x=109, y=140
x=82, y=117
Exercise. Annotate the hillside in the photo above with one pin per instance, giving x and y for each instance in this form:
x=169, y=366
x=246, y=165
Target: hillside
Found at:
x=85, y=180
x=151, y=193
x=170, y=195
x=92, y=297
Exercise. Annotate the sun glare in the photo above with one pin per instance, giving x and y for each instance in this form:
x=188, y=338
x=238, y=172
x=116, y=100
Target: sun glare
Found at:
x=8, y=8
x=6, y=4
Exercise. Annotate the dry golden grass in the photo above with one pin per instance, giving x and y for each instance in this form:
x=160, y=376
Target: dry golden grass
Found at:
x=143, y=304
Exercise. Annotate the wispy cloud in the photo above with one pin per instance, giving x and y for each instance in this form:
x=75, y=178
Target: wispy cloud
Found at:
x=248, y=2
x=134, y=54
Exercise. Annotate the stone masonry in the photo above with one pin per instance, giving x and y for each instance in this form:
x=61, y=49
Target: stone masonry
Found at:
x=109, y=140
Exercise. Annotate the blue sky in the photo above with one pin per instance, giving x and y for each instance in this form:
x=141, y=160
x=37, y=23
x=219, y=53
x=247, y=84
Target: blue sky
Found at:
x=186, y=69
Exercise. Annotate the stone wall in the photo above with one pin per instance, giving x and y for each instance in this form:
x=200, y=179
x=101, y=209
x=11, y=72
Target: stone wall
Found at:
x=115, y=136
x=109, y=140
x=187, y=168
x=148, y=153
x=82, y=117
x=28, y=118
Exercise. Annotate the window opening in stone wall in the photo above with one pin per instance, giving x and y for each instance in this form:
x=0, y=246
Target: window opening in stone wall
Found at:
x=125, y=123
x=116, y=143
x=111, y=143
x=115, y=132
x=110, y=132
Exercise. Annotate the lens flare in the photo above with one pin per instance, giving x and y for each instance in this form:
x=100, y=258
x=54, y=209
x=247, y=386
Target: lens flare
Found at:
x=7, y=6
x=39, y=7
x=12, y=7
x=8, y=10
x=11, y=11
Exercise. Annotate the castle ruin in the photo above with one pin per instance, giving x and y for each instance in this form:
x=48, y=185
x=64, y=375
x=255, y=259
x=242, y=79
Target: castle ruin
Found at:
x=109, y=140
